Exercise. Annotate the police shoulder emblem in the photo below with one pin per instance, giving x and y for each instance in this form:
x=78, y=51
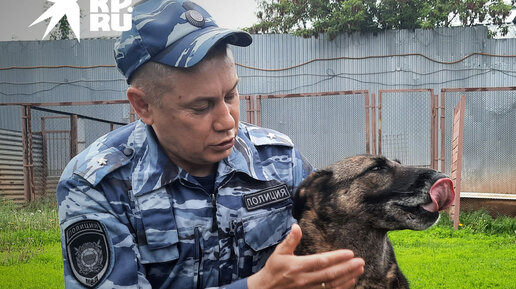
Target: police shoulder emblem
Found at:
x=87, y=251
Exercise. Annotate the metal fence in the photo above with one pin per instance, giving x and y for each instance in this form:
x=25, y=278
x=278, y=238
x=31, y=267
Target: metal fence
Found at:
x=12, y=181
x=33, y=157
x=326, y=127
x=295, y=85
x=489, y=151
x=411, y=125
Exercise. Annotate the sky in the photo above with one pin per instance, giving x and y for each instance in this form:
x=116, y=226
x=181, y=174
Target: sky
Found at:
x=17, y=15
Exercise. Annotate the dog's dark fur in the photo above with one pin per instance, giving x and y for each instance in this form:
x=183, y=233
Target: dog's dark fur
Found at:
x=353, y=203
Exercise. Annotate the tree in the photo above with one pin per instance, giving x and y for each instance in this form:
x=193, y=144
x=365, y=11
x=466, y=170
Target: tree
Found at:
x=62, y=31
x=311, y=17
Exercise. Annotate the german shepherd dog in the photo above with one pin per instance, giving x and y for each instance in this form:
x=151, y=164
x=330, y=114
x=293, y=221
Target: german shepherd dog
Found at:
x=353, y=203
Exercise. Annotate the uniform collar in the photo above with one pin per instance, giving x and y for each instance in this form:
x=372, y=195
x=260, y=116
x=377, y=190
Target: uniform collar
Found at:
x=153, y=169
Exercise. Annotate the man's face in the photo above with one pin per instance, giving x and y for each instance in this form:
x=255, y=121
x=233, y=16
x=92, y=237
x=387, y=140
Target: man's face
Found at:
x=197, y=120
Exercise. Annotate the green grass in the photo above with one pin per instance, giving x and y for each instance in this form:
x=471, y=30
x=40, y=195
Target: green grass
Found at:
x=30, y=245
x=481, y=254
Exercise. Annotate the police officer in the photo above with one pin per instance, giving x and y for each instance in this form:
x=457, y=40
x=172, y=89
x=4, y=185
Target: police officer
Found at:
x=187, y=196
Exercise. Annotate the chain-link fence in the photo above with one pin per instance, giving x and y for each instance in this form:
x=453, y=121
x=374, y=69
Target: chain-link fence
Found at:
x=324, y=126
x=407, y=126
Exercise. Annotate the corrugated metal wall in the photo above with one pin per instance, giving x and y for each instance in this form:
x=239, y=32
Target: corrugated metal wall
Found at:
x=11, y=165
x=391, y=59
x=279, y=64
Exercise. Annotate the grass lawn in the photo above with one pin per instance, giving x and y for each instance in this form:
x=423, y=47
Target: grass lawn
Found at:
x=442, y=258
x=30, y=246
x=481, y=254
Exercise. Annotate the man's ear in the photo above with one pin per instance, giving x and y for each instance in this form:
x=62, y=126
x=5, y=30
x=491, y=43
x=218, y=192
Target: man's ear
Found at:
x=137, y=99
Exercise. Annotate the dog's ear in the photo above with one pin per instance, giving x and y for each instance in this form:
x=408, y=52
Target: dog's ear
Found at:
x=315, y=182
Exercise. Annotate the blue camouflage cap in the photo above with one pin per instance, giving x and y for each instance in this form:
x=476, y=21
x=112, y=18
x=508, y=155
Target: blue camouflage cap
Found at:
x=177, y=33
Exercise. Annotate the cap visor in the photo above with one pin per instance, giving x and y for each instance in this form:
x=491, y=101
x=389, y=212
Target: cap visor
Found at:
x=191, y=49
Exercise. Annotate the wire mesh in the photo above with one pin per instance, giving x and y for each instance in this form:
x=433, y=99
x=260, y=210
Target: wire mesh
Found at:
x=489, y=154
x=324, y=128
x=405, y=127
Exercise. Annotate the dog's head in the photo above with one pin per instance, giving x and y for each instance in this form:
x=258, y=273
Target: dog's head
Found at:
x=376, y=192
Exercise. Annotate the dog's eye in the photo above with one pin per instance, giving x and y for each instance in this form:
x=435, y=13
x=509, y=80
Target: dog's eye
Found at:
x=378, y=168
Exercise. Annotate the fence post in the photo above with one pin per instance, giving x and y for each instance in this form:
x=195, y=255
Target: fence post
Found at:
x=73, y=136
x=28, y=172
x=434, y=130
x=258, y=110
x=367, y=121
x=380, y=122
x=443, y=128
x=373, y=117
x=44, y=153
x=456, y=161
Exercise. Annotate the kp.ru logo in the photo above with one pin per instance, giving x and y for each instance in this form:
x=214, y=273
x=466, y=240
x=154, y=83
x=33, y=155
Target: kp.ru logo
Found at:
x=103, y=16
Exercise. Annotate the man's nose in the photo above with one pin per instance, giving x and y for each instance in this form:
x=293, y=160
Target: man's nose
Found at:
x=224, y=121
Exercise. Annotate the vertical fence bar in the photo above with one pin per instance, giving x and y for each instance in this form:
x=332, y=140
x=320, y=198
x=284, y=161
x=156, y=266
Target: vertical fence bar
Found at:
x=380, y=122
x=433, y=130
x=44, y=153
x=443, y=129
x=373, y=118
x=31, y=156
x=250, y=109
x=26, y=187
x=456, y=161
x=28, y=172
x=259, y=110
x=73, y=136
x=367, y=120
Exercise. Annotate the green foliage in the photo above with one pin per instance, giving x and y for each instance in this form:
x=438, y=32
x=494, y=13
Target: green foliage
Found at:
x=311, y=17
x=62, y=31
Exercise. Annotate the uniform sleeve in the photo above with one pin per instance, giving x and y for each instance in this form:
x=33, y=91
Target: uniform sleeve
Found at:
x=99, y=250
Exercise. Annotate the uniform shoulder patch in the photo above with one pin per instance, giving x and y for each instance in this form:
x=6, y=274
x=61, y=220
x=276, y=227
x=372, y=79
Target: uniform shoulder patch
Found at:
x=88, y=252
x=264, y=136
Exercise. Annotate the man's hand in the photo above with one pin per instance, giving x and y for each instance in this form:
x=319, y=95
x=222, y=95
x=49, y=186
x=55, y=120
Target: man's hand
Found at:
x=335, y=269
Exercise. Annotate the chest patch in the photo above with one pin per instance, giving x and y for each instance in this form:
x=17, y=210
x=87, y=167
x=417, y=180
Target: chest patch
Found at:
x=266, y=197
x=87, y=251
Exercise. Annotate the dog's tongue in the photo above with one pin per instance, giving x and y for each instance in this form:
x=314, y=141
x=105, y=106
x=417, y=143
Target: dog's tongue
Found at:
x=442, y=195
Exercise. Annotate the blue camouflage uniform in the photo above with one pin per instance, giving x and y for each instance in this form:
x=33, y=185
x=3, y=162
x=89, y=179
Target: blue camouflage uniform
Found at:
x=130, y=218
